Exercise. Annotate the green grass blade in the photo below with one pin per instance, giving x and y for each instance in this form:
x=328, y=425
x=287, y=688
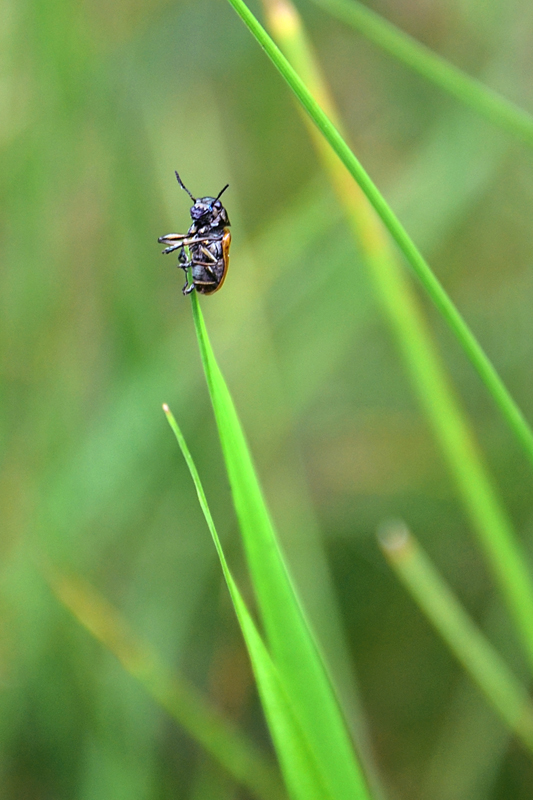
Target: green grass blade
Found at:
x=302, y=773
x=173, y=693
x=470, y=646
x=489, y=518
x=291, y=642
x=305, y=780
x=507, y=406
x=421, y=59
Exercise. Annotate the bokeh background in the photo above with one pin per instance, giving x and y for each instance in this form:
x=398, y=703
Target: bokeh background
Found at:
x=100, y=103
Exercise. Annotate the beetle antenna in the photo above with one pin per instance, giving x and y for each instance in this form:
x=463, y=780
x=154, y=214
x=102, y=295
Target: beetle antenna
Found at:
x=184, y=187
x=222, y=191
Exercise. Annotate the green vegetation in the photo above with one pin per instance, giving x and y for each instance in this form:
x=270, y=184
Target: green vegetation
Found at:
x=172, y=677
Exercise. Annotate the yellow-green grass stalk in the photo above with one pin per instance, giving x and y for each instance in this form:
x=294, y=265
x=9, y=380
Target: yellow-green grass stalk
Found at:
x=452, y=431
x=463, y=637
x=305, y=725
x=504, y=401
x=176, y=695
x=473, y=93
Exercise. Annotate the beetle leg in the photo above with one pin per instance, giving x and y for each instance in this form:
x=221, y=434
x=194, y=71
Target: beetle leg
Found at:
x=177, y=240
x=172, y=237
x=207, y=253
x=208, y=265
x=172, y=248
x=187, y=288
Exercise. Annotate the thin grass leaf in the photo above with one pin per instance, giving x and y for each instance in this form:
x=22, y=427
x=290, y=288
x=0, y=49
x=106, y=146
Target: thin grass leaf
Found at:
x=292, y=644
x=453, y=433
x=306, y=780
x=425, y=62
x=303, y=775
x=506, y=404
x=176, y=695
x=469, y=645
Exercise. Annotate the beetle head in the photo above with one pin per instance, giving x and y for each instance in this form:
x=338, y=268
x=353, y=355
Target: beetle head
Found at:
x=207, y=211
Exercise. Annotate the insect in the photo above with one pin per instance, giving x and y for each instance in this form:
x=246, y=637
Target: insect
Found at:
x=207, y=241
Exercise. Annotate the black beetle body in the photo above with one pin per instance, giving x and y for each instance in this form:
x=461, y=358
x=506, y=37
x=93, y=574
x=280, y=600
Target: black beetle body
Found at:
x=207, y=240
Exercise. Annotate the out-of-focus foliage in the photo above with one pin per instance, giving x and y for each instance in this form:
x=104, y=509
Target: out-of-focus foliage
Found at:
x=99, y=104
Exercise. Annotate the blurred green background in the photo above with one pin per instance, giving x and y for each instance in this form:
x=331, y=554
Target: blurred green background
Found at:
x=99, y=105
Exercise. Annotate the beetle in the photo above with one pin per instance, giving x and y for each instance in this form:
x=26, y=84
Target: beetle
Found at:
x=207, y=241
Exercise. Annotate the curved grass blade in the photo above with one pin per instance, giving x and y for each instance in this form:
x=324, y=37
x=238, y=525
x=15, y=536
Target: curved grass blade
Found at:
x=291, y=642
x=173, y=693
x=303, y=775
x=506, y=557
x=504, y=401
x=430, y=65
x=305, y=780
x=466, y=641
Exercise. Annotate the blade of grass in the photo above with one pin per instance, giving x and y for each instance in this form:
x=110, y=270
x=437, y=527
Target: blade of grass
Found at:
x=495, y=532
x=293, y=647
x=425, y=62
x=303, y=775
x=173, y=693
x=305, y=779
x=466, y=641
x=504, y=401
